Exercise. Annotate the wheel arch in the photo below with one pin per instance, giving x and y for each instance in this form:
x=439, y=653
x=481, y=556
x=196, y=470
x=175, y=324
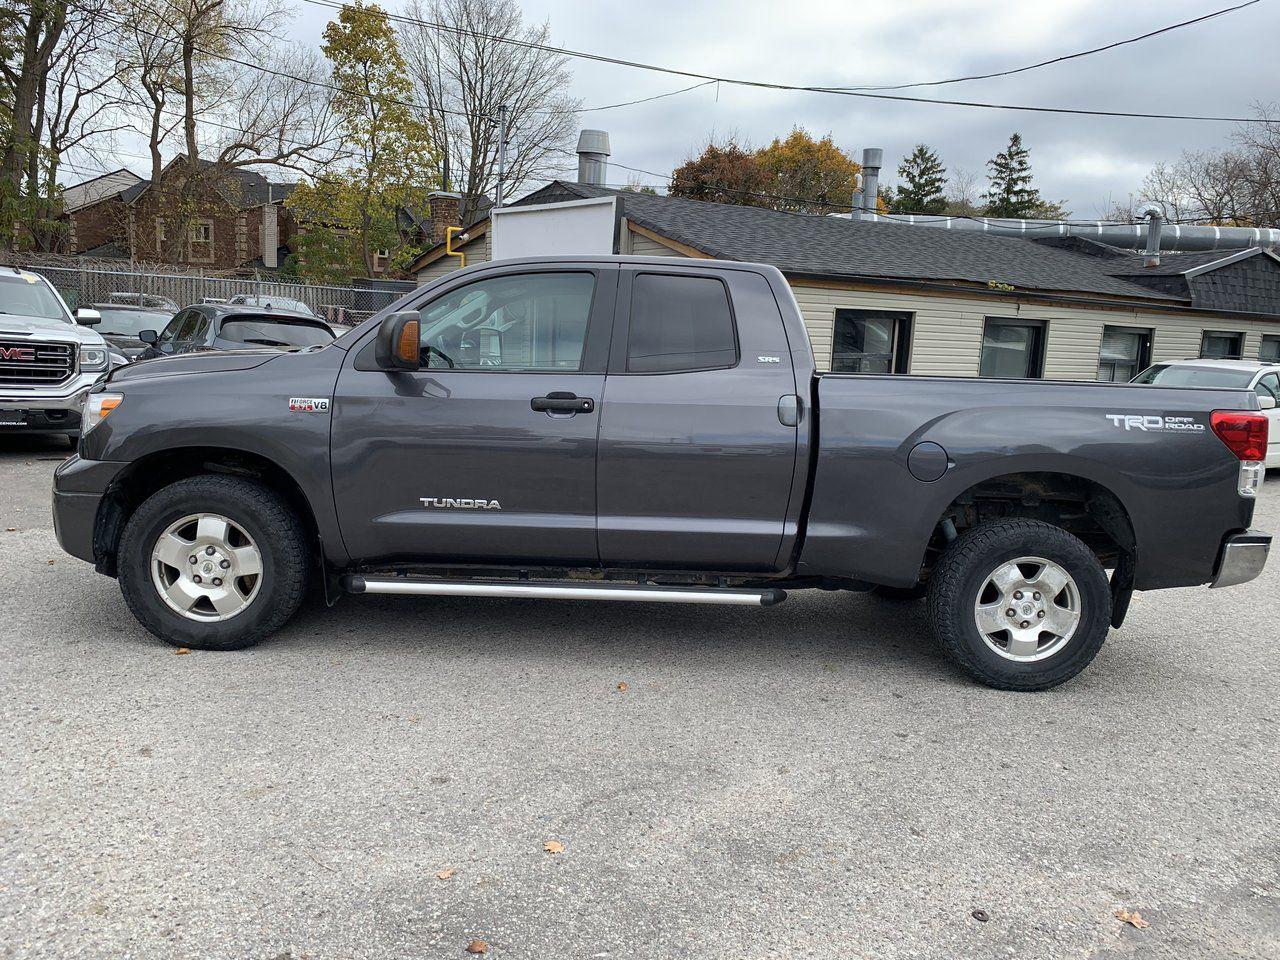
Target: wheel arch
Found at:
x=1083, y=506
x=154, y=471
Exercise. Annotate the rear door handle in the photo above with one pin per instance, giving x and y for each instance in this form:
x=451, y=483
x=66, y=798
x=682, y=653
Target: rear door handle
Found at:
x=561, y=402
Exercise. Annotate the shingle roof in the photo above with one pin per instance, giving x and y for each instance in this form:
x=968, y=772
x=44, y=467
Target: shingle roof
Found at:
x=806, y=245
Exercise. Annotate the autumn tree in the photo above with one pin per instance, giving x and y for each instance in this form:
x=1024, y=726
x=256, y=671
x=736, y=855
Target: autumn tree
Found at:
x=468, y=60
x=923, y=183
x=724, y=172
x=805, y=175
x=351, y=210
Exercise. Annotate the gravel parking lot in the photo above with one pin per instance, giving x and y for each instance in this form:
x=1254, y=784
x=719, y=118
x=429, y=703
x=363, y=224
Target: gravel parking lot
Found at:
x=380, y=780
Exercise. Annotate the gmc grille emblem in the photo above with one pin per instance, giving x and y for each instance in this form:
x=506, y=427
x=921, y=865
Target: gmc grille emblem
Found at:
x=17, y=353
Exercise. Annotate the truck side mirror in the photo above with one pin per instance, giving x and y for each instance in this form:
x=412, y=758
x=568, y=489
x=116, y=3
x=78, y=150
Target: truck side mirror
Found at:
x=397, y=346
x=88, y=317
x=1267, y=403
x=149, y=337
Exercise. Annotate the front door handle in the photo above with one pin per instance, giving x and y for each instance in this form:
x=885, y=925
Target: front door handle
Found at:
x=561, y=402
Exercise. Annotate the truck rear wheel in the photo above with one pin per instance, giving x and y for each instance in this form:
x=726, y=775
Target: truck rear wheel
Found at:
x=1020, y=604
x=213, y=563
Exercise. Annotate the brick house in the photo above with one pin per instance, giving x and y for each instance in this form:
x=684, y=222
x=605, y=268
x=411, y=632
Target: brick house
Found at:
x=236, y=218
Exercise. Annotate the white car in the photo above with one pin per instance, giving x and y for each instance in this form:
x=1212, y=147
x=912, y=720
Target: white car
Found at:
x=49, y=358
x=1260, y=376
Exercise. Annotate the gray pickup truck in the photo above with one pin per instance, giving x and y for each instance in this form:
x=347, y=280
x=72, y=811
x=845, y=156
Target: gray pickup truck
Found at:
x=644, y=429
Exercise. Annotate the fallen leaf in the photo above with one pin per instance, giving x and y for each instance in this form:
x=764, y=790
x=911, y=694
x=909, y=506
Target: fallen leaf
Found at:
x=414, y=719
x=11, y=529
x=51, y=563
x=623, y=686
x=553, y=846
x=182, y=650
x=981, y=916
x=446, y=873
x=1133, y=918
x=477, y=946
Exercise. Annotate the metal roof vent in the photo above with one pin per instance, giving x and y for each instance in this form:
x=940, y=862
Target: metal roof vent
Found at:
x=593, y=157
x=1154, y=214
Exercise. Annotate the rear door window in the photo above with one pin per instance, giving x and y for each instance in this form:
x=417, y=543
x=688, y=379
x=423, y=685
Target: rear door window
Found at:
x=678, y=324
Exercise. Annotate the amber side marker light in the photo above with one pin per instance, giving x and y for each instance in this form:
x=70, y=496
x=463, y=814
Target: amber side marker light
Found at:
x=407, y=347
x=98, y=406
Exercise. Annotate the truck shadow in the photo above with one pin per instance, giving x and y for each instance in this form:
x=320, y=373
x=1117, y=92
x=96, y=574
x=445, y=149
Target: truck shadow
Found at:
x=832, y=629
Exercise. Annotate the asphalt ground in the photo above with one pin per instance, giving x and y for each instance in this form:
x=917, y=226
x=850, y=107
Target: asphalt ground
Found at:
x=811, y=780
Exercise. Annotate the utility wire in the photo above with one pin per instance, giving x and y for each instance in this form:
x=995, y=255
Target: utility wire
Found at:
x=1062, y=59
x=766, y=85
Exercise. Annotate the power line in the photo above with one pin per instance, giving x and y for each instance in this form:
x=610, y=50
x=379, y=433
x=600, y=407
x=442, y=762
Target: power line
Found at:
x=1062, y=59
x=766, y=85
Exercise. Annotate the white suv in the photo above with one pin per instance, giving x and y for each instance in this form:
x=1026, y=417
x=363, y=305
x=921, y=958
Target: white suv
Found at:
x=1260, y=376
x=48, y=358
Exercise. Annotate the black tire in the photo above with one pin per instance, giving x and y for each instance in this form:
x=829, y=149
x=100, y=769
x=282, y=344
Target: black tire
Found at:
x=263, y=514
x=902, y=594
x=962, y=572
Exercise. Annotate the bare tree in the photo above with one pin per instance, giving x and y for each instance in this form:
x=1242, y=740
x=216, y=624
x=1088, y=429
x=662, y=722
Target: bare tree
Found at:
x=464, y=71
x=32, y=30
x=962, y=193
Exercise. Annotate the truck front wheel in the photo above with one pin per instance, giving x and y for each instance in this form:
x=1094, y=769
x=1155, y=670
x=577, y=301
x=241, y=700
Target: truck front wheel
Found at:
x=213, y=562
x=1020, y=604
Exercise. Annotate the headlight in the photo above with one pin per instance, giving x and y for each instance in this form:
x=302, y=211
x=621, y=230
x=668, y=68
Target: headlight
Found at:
x=97, y=406
x=93, y=358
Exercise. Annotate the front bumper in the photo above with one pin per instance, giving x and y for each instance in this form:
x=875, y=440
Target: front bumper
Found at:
x=78, y=489
x=1242, y=559
x=51, y=410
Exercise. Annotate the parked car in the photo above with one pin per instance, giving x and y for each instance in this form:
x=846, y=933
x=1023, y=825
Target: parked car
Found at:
x=1260, y=376
x=274, y=304
x=633, y=429
x=217, y=326
x=150, y=301
x=121, y=325
x=48, y=360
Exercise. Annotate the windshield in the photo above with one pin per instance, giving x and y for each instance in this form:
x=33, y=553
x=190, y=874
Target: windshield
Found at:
x=129, y=323
x=1167, y=375
x=274, y=333
x=26, y=295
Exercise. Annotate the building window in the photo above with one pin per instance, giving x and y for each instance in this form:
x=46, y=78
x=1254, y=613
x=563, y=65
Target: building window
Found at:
x=200, y=241
x=871, y=341
x=1270, y=349
x=1012, y=349
x=678, y=324
x=1218, y=345
x=1126, y=352
x=380, y=260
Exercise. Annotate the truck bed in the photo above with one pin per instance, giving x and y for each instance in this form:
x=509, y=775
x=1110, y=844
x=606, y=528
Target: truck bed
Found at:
x=880, y=488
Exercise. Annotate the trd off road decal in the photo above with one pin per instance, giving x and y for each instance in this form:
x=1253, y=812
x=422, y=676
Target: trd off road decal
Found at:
x=1153, y=424
x=308, y=404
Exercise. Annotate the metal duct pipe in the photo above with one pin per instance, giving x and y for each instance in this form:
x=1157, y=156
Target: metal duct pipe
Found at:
x=593, y=157
x=872, y=159
x=1129, y=236
x=1155, y=223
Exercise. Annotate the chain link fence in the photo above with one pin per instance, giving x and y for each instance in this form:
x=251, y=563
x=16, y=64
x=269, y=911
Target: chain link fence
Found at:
x=97, y=285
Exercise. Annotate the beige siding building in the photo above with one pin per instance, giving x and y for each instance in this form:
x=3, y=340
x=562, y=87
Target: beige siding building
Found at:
x=885, y=298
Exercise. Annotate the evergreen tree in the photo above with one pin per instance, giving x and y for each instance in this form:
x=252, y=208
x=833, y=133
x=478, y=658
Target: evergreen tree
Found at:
x=1011, y=193
x=923, y=179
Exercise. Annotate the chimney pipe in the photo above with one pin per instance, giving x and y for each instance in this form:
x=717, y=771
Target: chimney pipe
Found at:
x=872, y=158
x=593, y=157
x=1155, y=226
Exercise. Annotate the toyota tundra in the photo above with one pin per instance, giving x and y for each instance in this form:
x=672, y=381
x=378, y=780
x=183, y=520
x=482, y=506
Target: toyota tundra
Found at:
x=645, y=429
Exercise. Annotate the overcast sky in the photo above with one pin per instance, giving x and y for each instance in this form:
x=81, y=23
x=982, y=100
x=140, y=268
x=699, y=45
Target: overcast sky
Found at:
x=1221, y=68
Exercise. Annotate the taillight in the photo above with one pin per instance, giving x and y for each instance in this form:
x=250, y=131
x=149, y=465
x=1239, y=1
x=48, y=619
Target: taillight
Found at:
x=1244, y=433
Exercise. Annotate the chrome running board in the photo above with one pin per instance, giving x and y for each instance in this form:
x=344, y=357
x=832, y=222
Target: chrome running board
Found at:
x=527, y=590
